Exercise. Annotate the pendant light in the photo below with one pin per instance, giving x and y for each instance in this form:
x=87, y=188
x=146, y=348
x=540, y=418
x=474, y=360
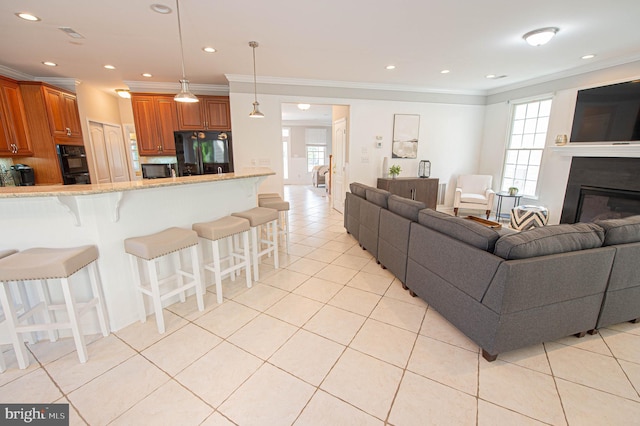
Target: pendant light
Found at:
x=185, y=95
x=256, y=106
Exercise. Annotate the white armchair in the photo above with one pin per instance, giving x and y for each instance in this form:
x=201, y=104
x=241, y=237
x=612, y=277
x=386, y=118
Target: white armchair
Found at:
x=474, y=192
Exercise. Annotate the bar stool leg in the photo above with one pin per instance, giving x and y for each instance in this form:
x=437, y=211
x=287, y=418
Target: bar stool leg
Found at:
x=45, y=299
x=11, y=319
x=274, y=236
x=142, y=313
x=101, y=309
x=218, y=269
x=232, y=259
x=247, y=257
x=254, y=252
x=26, y=306
x=178, y=257
x=286, y=229
x=72, y=311
x=197, y=276
x=155, y=294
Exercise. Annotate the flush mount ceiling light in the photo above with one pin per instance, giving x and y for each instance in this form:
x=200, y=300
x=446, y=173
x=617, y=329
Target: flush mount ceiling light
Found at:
x=27, y=16
x=160, y=8
x=124, y=93
x=209, y=49
x=50, y=64
x=146, y=74
x=445, y=72
x=589, y=56
x=390, y=67
x=109, y=67
x=304, y=107
x=185, y=94
x=541, y=36
x=256, y=106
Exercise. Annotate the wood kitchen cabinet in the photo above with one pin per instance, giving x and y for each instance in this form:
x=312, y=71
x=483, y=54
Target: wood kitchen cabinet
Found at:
x=52, y=119
x=14, y=135
x=419, y=189
x=155, y=118
x=211, y=113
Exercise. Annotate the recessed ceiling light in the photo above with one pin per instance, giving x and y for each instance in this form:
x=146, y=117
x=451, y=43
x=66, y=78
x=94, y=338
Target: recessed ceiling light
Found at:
x=146, y=74
x=27, y=16
x=490, y=76
x=209, y=49
x=445, y=72
x=494, y=77
x=110, y=67
x=541, y=36
x=390, y=67
x=589, y=56
x=50, y=64
x=160, y=8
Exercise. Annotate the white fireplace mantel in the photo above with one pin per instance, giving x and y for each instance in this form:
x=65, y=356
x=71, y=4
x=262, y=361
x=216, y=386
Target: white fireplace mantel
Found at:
x=600, y=150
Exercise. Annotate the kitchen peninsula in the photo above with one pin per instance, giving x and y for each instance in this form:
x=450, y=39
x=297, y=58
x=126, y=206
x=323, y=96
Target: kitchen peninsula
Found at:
x=106, y=214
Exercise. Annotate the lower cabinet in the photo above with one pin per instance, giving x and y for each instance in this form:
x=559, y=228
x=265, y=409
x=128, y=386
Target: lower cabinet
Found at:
x=419, y=189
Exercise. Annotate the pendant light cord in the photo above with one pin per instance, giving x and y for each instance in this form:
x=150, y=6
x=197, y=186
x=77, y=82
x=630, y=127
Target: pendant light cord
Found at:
x=180, y=35
x=255, y=85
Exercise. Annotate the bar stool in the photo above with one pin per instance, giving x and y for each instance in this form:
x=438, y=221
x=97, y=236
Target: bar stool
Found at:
x=3, y=365
x=151, y=248
x=257, y=217
x=283, y=214
x=226, y=228
x=42, y=265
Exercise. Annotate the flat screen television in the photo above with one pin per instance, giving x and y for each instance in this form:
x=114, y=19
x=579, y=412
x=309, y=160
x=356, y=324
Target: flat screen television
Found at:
x=608, y=114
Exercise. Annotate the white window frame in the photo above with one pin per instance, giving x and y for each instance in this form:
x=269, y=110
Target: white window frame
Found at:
x=316, y=160
x=528, y=129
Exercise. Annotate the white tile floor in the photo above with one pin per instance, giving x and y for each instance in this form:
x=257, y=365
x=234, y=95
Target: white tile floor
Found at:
x=329, y=339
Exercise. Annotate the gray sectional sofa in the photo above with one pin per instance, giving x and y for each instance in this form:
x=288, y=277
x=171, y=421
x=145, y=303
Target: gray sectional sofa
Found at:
x=504, y=290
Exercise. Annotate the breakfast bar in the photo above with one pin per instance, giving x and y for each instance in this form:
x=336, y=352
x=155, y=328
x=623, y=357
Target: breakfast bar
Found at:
x=105, y=215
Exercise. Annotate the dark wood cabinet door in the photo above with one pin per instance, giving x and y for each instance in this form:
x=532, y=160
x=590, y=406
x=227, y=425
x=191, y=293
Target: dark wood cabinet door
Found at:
x=190, y=116
x=167, y=119
x=145, y=121
x=71, y=116
x=14, y=135
x=419, y=189
x=56, y=111
x=217, y=114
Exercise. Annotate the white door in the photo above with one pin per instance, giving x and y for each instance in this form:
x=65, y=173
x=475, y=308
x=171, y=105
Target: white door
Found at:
x=338, y=167
x=109, y=153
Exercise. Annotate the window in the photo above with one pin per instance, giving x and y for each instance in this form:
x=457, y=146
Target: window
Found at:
x=526, y=143
x=315, y=156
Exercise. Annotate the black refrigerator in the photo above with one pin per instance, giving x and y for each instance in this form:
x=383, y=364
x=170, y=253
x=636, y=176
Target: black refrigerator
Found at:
x=203, y=152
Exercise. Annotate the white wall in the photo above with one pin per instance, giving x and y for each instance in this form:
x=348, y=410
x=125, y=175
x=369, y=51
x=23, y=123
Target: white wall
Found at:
x=450, y=137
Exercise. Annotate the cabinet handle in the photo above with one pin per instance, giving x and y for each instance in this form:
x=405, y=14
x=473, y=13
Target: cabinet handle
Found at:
x=68, y=131
x=15, y=148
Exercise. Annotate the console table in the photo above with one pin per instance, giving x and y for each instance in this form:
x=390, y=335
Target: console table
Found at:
x=419, y=189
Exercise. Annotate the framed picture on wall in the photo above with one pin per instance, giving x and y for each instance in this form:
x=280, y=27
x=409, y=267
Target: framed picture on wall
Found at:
x=405, y=136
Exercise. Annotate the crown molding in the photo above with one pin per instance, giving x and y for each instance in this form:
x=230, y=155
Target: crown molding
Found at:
x=240, y=78
x=16, y=75
x=166, y=87
x=66, y=83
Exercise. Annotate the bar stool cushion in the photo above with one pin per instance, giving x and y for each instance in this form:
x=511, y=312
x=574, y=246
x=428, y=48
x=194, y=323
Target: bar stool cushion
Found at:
x=272, y=203
x=265, y=195
x=43, y=263
x=258, y=215
x=221, y=228
x=5, y=253
x=164, y=242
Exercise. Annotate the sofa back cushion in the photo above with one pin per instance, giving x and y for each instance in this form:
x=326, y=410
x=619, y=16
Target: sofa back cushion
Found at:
x=358, y=189
x=377, y=196
x=548, y=240
x=405, y=207
x=620, y=231
x=461, y=229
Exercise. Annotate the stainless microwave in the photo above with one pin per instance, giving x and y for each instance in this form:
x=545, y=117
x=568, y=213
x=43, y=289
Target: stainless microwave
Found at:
x=156, y=171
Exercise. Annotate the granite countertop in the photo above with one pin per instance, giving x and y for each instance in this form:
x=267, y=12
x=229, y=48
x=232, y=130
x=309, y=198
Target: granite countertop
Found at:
x=100, y=188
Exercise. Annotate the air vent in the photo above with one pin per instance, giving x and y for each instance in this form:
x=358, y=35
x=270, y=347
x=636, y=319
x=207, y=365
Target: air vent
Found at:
x=71, y=32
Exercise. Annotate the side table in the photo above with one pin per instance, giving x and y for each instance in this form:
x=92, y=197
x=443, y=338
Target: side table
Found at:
x=501, y=195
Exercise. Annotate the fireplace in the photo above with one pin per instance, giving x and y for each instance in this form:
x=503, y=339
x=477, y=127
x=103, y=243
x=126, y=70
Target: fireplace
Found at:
x=601, y=188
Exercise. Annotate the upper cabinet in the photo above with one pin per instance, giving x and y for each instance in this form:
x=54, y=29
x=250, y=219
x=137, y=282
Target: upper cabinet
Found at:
x=14, y=135
x=62, y=109
x=156, y=119
x=211, y=113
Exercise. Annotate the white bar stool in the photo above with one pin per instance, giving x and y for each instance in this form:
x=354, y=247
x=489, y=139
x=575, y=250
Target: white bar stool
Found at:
x=151, y=248
x=283, y=215
x=226, y=228
x=43, y=264
x=257, y=217
x=3, y=365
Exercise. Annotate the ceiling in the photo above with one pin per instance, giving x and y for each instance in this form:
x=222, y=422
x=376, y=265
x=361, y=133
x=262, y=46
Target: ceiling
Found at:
x=330, y=40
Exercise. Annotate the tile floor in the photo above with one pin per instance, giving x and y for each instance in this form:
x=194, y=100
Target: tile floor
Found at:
x=330, y=338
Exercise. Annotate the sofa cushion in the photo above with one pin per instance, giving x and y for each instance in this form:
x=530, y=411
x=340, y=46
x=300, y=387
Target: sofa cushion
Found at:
x=461, y=229
x=377, y=196
x=405, y=207
x=358, y=189
x=620, y=231
x=548, y=240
